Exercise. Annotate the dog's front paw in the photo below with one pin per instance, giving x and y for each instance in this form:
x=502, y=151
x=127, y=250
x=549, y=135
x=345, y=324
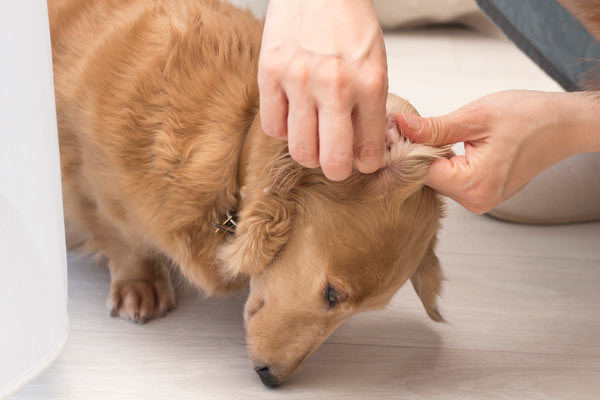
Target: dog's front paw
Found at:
x=140, y=300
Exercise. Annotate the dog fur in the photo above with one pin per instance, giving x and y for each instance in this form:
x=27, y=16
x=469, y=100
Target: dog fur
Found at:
x=159, y=126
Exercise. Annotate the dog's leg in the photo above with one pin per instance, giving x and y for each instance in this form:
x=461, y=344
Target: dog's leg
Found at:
x=140, y=289
x=427, y=281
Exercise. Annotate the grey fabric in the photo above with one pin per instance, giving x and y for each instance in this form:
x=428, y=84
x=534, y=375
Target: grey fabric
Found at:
x=549, y=35
x=567, y=192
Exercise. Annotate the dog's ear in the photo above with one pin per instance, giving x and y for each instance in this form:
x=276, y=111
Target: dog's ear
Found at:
x=405, y=166
x=427, y=281
x=262, y=232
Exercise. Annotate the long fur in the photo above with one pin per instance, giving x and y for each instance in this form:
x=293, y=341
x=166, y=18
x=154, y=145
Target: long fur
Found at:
x=160, y=135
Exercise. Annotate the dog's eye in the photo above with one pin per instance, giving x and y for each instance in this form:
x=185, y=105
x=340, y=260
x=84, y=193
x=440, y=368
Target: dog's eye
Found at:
x=331, y=296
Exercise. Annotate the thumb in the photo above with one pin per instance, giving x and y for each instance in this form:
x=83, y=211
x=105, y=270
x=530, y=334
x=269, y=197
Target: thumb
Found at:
x=454, y=177
x=434, y=131
x=449, y=176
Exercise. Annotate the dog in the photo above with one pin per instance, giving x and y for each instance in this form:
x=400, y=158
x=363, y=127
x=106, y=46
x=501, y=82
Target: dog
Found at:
x=164, y=163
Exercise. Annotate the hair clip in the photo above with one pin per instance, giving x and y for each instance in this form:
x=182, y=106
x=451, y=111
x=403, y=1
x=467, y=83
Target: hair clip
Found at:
x=228, y=225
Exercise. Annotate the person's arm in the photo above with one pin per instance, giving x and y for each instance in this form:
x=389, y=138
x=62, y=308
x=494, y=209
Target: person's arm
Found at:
x=323, y=83
x=509, y=138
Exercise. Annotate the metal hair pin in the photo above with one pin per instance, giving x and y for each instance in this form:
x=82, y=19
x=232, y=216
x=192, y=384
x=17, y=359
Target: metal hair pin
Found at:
x=228, y=225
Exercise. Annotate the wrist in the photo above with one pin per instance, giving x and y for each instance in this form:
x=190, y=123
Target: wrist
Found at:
x=579, y=113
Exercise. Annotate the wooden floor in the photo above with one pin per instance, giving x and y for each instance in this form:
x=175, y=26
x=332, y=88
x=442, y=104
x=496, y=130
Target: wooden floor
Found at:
x=522, y=302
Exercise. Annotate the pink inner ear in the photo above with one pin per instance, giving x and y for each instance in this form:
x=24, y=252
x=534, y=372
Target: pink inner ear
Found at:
x=392, y=134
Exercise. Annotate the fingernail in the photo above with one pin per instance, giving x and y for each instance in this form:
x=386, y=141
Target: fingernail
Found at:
x=413, y=122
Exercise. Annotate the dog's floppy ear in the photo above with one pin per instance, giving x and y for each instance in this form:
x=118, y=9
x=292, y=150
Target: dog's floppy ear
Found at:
x=427, y=281
x=405, y=165
x=262, y=231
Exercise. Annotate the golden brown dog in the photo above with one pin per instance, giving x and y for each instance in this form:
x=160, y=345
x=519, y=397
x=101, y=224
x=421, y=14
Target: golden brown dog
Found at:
x=160, y=137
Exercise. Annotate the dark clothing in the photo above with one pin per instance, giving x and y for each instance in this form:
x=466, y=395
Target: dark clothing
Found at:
x=546, y=32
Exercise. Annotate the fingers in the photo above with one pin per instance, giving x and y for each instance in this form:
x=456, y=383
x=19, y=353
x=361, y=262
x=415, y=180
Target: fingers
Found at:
x=438, y=131
x=336, y=131
x=451, y=178
x=448, y=176
x=369, y=147
x=369, y=137
x=318, y=54
x=463, y=181
x=273, y=106
x=335, y=143
x=303, y=141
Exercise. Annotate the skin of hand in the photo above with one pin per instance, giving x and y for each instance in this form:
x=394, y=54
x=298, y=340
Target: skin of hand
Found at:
x=509, y=138
x=323, y=84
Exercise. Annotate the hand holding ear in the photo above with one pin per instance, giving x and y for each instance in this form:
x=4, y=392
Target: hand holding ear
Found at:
x=509, y=137
x=323, y=83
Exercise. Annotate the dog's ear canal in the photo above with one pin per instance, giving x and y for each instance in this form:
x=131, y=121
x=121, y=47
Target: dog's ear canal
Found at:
x=427, y=281
x=262, y=232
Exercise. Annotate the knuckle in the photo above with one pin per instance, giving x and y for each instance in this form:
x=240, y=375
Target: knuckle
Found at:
x=273, y=129
x=482, y=198
x=333, y=78
x=303, y=154
x=268, y=68
x=337, y=84
x=370, y=152
x=376, y=85
x=477, y=209
x=297, y=73
x=437, y=131
x=337, y=163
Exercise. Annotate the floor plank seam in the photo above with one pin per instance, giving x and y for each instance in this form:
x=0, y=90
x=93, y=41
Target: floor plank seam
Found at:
x=518, y=256
x=593, y=356
x=241, y=342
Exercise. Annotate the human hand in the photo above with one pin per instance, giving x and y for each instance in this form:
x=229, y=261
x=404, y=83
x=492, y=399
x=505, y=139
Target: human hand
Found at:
x=323, y=83
x=509, y=138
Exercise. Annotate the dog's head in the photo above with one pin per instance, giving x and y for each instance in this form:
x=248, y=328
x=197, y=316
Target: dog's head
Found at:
x=318, y=252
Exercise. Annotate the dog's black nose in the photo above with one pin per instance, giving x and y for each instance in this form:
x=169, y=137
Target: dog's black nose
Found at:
x=267, y=377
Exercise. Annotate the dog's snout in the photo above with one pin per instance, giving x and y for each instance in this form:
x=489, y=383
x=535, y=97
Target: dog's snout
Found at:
x=267, y=377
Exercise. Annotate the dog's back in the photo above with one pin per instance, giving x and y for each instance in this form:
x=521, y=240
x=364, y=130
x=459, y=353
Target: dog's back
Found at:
x=151, y=95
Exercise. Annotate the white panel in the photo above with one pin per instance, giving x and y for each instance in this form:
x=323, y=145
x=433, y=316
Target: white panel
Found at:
x=33, y=289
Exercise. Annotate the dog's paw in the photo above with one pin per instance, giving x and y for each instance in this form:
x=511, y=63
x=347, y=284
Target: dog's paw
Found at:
x=140, y=300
